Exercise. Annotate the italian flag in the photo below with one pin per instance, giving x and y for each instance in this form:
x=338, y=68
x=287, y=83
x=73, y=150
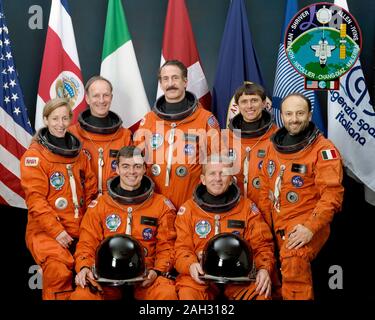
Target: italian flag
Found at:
x=119, y=65
x=329, y=154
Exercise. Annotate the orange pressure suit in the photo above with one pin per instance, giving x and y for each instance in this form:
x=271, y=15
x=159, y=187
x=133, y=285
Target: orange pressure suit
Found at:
x=102, y=145
x=198, y=221
x=248, y=156
x=149, y=218
x=301, y=184
x=58, y=185
x=188, y=135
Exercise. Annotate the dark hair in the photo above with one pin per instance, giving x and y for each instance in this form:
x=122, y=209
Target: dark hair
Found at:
x=250, y=88
x=97, y=78
x=128, y=152
x=176, y=63
x=296, y=94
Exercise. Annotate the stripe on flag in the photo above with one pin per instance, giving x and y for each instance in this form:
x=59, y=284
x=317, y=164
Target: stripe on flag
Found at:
x=15, y=127
x=120, y=66
x=179, y=44
x=329, y=154
x=61, y=72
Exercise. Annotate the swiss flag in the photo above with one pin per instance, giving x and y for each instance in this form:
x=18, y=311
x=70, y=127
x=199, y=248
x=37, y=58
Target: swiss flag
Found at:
x=179, y=44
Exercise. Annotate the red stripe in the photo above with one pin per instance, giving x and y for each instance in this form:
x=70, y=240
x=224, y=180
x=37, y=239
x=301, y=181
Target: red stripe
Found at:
x=11, y=181
x=334, y=153
x=178, y=39
x=11, y=144
x=55, y=61
x=206, y=101
x=2, y=201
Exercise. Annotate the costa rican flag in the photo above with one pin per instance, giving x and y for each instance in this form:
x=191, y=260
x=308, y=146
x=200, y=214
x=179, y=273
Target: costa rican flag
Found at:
x=61, y=72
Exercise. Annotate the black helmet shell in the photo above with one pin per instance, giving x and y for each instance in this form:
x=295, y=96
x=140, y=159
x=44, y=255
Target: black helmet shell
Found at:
x=227, y=255
x=119, y=257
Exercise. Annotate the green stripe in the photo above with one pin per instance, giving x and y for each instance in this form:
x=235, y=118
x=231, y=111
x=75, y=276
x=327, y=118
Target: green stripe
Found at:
x=325, y=154
x=116, y=29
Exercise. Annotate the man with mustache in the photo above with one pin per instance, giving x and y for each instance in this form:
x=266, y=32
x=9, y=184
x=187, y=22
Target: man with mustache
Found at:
x=176, y=135
x=301, y=191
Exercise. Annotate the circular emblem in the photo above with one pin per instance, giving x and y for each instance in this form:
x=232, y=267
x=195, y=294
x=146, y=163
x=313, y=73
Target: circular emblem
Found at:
x=147, y=234
x=61, y=203
x=181, y=171
x=189, y=149
x=260, y=165
x=156, y=141
x=297, y=181
x=256, y=183
x=57, y=180
x=271, y=168
x=114, y=165
x=155, y=170
x=112, y=222
x=68, y=85
x=181, y=211
x=324, y=15
x=292, y=196
x=322, y=84
x=322, y=42
x=202, y=228
x=232, y=155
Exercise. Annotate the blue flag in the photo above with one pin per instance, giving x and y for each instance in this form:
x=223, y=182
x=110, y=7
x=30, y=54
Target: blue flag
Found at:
x=15, y=127
x=237, y=61
x=288, y=80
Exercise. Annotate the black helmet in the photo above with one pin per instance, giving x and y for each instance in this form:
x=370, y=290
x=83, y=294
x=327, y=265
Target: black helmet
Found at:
x=119, y=257
x=227, y=255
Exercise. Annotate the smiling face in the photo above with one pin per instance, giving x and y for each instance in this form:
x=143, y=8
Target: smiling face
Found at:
x=131, y=171
x=99, y=98
x=295, y=114
x=58, y=121
x=251, y=107
x=173, y=83
x=216, y=177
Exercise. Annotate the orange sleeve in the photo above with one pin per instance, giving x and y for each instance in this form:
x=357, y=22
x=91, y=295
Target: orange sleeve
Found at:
x=328, y=180
x=166, y=236
x=213, y=135
x=184, y=246
x=128, y=138
x=90, y=236
x=35, y=183
x=259, y=235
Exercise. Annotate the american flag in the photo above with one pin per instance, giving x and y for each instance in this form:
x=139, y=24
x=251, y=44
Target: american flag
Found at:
x=15, y=128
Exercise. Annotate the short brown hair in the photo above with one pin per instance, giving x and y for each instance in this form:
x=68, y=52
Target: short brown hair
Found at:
x=97, y=78
x=176, y=63
x=55, y=103
x=129, y=152
x=249, y=88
